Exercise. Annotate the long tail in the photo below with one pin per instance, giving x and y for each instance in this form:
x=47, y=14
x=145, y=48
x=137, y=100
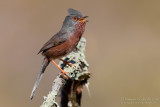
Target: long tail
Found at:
x=44, y=65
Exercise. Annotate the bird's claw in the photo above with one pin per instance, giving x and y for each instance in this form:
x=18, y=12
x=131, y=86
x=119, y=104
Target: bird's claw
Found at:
x=66, y=76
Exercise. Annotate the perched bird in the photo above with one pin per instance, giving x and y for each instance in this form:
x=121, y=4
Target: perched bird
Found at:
x=62, y=43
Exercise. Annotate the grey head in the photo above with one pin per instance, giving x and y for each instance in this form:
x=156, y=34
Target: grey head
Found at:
x=74, y=17
x=73, y=12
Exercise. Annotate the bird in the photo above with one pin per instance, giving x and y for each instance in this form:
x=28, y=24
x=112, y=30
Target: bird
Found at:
x=62, y=43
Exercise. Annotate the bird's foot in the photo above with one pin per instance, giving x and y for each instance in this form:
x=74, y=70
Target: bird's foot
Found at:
x=64, y=75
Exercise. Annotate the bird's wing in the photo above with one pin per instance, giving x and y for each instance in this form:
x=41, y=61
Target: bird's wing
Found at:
x=56, y=40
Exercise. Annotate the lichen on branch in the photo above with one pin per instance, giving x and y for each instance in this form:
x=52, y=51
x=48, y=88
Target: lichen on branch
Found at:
x=70, y=87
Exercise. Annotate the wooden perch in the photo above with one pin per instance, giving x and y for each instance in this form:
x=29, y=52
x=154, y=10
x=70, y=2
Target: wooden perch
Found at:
x=71, y=89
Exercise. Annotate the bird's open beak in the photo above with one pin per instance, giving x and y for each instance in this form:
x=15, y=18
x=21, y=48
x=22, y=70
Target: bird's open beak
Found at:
x=83, y=19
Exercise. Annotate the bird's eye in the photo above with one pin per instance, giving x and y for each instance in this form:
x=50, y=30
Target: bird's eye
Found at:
x=75, y=18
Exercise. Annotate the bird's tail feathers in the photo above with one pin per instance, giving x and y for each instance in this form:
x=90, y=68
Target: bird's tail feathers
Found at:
x=44, y=65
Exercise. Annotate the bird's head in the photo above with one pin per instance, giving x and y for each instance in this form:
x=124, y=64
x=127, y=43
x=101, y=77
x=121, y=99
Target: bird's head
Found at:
x=74, y=20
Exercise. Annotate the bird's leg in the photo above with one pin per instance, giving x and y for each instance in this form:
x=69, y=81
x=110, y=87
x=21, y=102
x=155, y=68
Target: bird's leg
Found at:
x=60, y=68
x=67, y=62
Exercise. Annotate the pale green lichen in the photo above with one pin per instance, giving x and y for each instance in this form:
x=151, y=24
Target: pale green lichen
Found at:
x=49, y=101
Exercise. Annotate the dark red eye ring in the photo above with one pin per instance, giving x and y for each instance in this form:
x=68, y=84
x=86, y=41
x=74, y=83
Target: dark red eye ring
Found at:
x=74, y=18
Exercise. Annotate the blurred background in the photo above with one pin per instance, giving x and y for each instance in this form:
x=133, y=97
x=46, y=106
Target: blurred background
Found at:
x=123, y=50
